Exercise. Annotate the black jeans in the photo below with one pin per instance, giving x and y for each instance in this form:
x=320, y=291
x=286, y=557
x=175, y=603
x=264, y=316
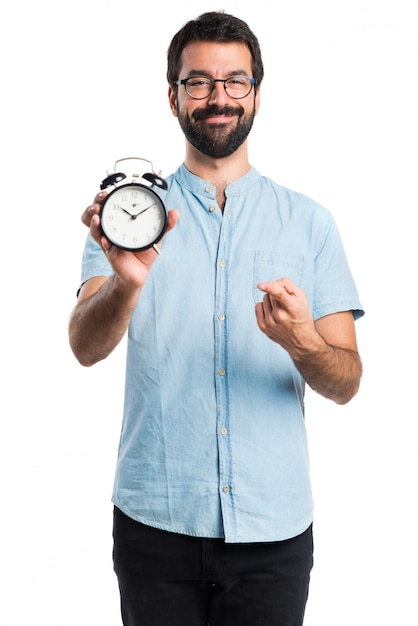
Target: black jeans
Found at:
x=166, y=579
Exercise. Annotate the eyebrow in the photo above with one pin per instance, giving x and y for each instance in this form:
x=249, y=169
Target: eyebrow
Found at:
x=205, y=73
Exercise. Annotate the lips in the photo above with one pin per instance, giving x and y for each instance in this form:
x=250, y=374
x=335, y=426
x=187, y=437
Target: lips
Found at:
x=218, y=119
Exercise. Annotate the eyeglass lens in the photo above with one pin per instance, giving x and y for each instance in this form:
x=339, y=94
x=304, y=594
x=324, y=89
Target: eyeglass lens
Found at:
x=201, y=86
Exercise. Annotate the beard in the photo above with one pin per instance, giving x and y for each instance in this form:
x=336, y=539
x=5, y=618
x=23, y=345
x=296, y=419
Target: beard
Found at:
x=216, y=140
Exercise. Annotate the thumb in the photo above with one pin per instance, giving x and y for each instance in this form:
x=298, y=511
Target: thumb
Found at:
x=173, y=218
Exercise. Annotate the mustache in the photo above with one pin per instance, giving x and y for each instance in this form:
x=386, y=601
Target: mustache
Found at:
x=202, y=114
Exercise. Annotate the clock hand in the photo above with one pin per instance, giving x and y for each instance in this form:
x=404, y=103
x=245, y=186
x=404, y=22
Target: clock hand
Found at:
x=124, y=210
x=142, y=210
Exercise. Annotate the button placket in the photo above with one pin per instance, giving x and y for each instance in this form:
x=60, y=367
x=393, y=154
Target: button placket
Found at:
x=221, y=368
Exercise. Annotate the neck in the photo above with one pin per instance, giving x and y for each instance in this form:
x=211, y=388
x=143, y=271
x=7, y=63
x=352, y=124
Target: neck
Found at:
x=218, y=172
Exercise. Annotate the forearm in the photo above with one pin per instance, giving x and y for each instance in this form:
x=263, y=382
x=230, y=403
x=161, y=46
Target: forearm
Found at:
x=324, y=351
x=99, y=322
x=331, y=371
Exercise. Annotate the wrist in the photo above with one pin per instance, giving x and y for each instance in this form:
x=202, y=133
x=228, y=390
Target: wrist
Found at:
x=312, y=350
x=125, y=290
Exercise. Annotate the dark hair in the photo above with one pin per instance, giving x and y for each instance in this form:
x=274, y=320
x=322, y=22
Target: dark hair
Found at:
x=215, y=26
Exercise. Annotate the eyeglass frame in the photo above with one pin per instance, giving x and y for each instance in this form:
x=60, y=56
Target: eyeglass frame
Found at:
x=183, y=81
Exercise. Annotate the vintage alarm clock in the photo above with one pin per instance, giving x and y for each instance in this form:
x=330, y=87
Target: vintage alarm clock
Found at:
x=133, y=216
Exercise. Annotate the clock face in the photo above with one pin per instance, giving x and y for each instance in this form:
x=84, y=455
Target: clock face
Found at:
x=133, y=217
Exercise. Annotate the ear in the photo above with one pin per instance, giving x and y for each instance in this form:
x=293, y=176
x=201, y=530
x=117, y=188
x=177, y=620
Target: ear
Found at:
x=257, y=101
x=172, y=98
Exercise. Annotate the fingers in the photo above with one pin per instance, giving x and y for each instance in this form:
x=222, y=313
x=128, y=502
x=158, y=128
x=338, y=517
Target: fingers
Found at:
x=278, y=295
x=93, y=210
x=108, y=248
x=89, y=213
x=279, y=288
x=173, y=218
x=281, y=298
x=91, y=218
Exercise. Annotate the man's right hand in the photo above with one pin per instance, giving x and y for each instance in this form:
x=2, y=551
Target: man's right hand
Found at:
x=131, y=268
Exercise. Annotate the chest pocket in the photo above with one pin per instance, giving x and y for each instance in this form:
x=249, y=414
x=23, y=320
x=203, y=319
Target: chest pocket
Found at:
x=269, y=265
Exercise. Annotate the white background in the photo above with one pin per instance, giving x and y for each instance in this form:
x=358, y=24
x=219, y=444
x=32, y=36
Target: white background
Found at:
x=83, y=84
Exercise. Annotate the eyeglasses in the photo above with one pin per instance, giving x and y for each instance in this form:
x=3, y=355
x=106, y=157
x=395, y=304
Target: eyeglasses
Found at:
x=200, y=87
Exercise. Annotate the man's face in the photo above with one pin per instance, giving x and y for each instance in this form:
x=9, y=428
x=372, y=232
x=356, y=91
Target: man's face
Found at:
x=218, y=124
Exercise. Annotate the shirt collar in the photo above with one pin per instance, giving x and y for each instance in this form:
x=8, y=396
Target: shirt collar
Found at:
x=202, y=187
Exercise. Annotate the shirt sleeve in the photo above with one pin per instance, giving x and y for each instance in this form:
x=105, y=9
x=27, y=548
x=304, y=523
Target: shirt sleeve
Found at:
x=334, y=289
x=94, y=262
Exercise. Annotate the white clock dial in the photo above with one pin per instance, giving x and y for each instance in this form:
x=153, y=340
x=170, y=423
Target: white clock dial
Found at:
x=133, y=217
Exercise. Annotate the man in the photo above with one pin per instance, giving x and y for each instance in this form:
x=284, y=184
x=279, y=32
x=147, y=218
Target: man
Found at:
x=250, y=298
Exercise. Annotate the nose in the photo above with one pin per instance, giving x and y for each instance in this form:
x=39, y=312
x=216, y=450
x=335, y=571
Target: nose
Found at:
x=218, y=95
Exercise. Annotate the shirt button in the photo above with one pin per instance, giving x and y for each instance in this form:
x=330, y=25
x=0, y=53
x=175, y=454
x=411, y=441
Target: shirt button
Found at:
x=222, y=372
x=224, y=431
x=208, y=189
x=212, y=209
x=221, y=317
x=225, y=489
x=222, y=264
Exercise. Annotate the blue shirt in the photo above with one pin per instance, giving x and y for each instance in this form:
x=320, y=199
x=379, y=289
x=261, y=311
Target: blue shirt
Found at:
x=213, y=440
